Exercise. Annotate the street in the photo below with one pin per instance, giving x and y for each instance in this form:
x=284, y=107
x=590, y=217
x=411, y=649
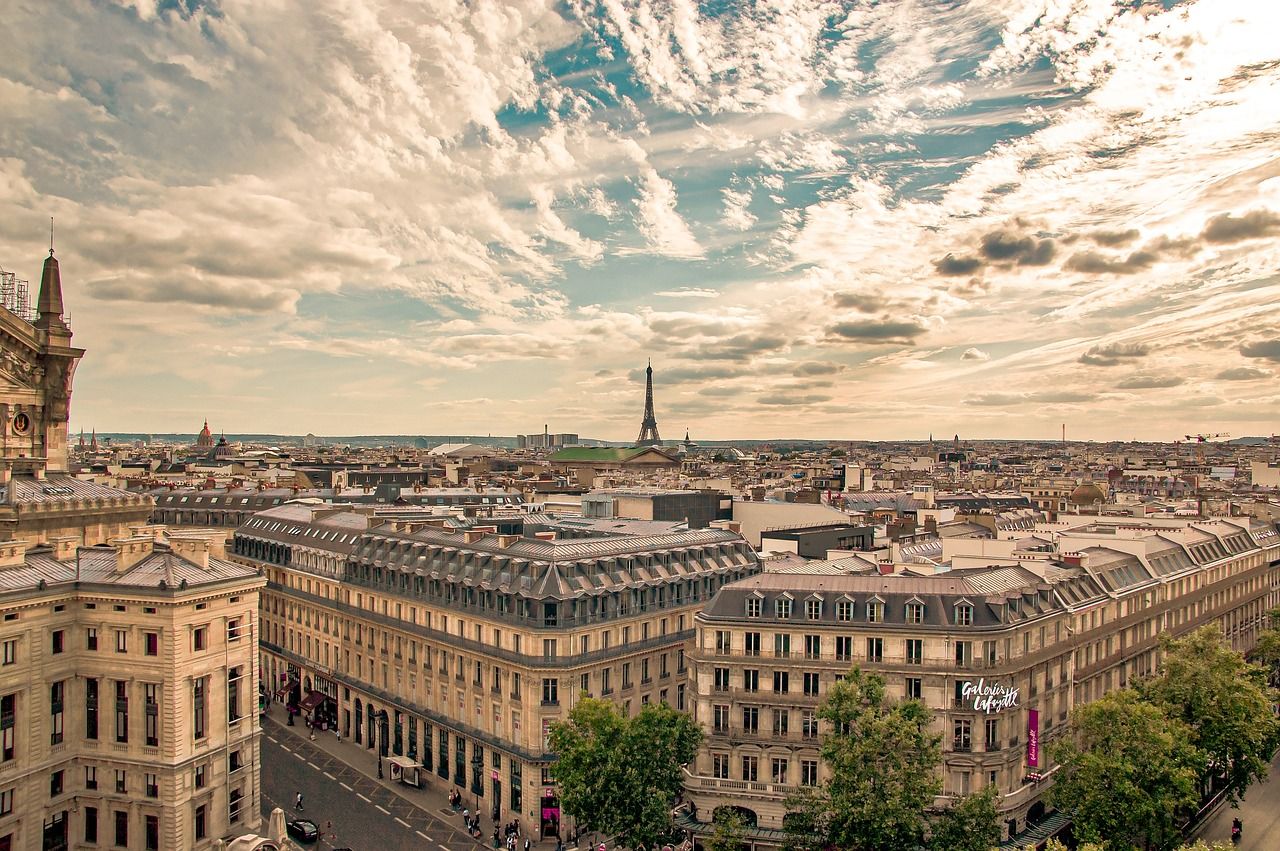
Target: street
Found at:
x=1260, y=812
x=364, y=814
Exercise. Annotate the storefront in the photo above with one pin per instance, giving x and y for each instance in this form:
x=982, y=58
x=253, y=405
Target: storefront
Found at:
x=550, y=808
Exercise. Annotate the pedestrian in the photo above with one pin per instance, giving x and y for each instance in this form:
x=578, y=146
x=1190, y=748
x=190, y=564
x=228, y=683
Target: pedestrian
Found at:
x=466, y=816
x=337, y=734
x=526, y=843
x=559, y=844
x=297, y=802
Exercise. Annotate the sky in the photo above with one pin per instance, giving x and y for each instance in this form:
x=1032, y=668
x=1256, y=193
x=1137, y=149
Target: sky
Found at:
x=846, y=220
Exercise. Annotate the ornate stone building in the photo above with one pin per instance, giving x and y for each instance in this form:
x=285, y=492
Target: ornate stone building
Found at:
x=127, y=681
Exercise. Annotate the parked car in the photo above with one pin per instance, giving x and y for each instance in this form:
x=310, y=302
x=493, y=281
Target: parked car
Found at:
x=304, y=830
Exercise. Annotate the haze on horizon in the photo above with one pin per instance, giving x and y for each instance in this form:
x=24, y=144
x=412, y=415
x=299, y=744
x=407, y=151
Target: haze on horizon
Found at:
x=818, y=218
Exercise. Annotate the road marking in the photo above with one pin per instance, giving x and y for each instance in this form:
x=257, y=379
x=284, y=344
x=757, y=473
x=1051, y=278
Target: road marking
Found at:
x=403, y=822
x=344, y=786
x=441, y=847
x=330, y=776
x=300, y=757
x=363, y=798
x=385, y=811
x=313, y=765
x=285, y=747
x=423, y=835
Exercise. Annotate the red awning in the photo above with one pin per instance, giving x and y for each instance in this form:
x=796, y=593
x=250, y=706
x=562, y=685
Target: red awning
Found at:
x=312, y=700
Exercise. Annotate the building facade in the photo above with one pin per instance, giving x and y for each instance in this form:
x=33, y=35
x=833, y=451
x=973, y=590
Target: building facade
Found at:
x=1000, y=654
x=459, y=647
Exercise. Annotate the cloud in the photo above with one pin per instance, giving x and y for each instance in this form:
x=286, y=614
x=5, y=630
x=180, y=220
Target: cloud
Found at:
x=1225, y=228
x=811, y=368
x=1114, y=238
x=787, y=399
x=1242, y=373
x=1111, y=354
x=659, y=223
x=877, y=331
x=952, y=265
x=736, y=216
x=1094, y=263
x=863, y=301
x=1266, y=349
x=688, y=292
x=975, y=354
x=1004, y=400
x=1009, y=245
x=1148, y=382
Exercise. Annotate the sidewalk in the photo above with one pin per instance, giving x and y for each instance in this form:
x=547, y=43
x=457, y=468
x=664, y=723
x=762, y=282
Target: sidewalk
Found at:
x=428, y=799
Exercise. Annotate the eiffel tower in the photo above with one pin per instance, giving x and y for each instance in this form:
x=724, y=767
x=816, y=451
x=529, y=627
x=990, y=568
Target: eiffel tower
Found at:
x=649, y=425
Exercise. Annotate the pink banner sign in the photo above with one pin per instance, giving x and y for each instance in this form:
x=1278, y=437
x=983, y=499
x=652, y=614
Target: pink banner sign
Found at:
x=1033, y=738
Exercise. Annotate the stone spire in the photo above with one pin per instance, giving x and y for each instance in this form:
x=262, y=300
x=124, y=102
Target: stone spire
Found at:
x=50, y=303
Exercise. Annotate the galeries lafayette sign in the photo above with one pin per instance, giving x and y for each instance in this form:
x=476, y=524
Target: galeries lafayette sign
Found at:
x=989, y=697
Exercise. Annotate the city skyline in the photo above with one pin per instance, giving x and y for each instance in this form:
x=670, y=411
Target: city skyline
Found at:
x=867, y=223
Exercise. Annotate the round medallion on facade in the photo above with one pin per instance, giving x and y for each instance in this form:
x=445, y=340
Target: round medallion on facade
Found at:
x=21, y=424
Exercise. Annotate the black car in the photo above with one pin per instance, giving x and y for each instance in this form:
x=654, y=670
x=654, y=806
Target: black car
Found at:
x=304, y=830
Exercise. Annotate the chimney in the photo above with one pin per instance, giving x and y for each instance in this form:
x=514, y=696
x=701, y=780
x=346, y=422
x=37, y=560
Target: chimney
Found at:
x=505, y=541
x=130, y=551
x=545, y=536
x=885, y=568
x=64, y=547
x=193, y=548
x=13, y=553
x=473, y=535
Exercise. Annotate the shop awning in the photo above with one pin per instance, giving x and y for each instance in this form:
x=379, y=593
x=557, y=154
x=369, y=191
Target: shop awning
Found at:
x=312, y=700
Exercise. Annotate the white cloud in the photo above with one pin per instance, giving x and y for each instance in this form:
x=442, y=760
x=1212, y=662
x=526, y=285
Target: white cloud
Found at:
x=659, y=222
x=736, y=216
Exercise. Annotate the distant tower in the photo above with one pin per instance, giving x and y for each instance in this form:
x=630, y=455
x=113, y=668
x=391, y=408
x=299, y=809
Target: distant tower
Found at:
x=93, y=444
x=649, y=425
x=204, y=440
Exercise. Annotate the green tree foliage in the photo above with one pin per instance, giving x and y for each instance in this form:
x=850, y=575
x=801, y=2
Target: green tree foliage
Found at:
x=882, y=758
x=1127, y=772
x=730, y=828
x=971, y=824
x=620, y=776
x=1224, y=700
x=1267, y=651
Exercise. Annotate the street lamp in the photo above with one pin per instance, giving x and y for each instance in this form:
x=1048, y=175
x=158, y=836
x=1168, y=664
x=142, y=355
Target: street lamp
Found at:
x=382, y=745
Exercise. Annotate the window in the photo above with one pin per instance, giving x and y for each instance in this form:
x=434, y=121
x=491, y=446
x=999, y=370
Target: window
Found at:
x=233, y=806
x=199, y=638
x=750, y=768
x=751, y=680
x=57, y=691
x=8, y=711
x=122, y=641
x=720, y=717
x=915, y=651
x=781, y=645
x=721, y=679
x=913, y=688
x=202, y=827
x=844, y=610
x=235, y=762
x=548, y=648
x=122, y=781
x=811, y=684
x=6, y=802
x=781, y=682
x=808, y=772
x=626, y=675
x=782, y=607
x=550, y=692
x=813, y=647
x=57, y=637
x=964, y=614
x=151, y=643
x=813, y=609
x=11, y=651
x=875, y=649
x=754, y=605
x=202, y=776
x=719, y=766
x=233, y=694
x=91, y=825
x=151, y=711
x=964, y=654
x=844, y=648
x=993, y=734
x=962, y=735
x=809, y=724
x=751, y=719
x=233, y=629
x=153, y=833
x=91, y=638
x=153, y=786
x=91, y=709
x=55, y=783
x=875, y=611
x=122, y=828
x=122, y=711
x=722, y=642
x=91, y=777
x=915, y=613
x=781, y=722
x=751, y=644
x=199, y=702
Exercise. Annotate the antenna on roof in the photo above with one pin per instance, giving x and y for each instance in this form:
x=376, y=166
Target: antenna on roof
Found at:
x=51, y=236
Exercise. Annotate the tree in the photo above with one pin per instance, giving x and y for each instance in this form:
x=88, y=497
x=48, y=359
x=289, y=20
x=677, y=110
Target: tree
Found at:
x=730, y=828
x=1128, y=773
x=882, y=758
x=1226, y=703
x=971, y=824
x=619, y=776
x=1266, y=652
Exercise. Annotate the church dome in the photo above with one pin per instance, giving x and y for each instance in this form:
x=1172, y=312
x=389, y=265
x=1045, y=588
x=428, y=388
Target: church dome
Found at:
x=205, y=438
x=1087, y=493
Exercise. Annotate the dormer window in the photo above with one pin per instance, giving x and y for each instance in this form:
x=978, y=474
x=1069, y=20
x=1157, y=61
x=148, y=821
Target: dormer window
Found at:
x=964, y=614
x=875, y=611
x=813, y=609
x=754, y=605
x=915, y=613
x=782, y=607
x=844, y=610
